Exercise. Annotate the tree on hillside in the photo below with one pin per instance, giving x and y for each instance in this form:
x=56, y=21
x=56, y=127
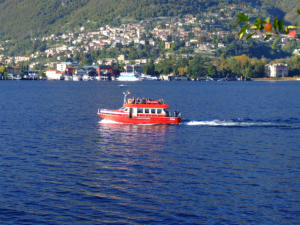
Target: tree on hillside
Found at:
x=196, y=67
x=294, y=65
x=165, y=66
x=149, y=68
x=211, y=70
x=182, y=66
x=3, y=72
x=2, y=69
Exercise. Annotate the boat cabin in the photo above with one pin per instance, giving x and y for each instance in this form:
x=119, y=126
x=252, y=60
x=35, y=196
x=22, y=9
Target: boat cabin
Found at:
x=146, y=107
x=151, y=112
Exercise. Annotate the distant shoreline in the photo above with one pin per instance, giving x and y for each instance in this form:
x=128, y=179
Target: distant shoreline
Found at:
x=297, y=78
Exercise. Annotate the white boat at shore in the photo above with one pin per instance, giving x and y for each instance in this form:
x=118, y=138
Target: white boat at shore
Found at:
x=149, y=77
x=17, y=77
x=129, y=76
x=97, y=78
x=86, y=77
x=131, y=73
x=76, y=78
x=68, y=77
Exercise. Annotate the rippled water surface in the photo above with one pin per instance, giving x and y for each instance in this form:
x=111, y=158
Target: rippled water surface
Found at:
x=234, y=159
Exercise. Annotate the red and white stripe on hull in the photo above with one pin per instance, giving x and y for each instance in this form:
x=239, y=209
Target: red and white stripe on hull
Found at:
x=124, y=118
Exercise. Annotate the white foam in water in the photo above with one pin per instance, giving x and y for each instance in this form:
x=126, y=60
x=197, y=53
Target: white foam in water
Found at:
x=108, y=122
x=214, y=123
x=227, y=123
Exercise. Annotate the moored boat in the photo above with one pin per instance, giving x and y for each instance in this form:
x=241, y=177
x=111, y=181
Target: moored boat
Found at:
x=131, y=73
x=149, y=77
x=68, y=77
x=129, y=76
x=86, y=77
x=141, y=111
x=76, y=77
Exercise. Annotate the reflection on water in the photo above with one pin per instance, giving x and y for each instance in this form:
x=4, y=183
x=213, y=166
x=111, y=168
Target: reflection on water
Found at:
x=133, y=135
x=132, y=156
x=133, y=145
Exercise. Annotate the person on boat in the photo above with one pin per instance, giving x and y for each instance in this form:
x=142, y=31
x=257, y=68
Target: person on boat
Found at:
x=167, y=112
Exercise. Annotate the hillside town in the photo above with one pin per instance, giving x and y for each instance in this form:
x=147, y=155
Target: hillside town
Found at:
x=57, y=56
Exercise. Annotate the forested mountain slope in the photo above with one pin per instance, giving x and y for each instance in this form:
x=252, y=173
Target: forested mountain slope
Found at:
x=24, y=18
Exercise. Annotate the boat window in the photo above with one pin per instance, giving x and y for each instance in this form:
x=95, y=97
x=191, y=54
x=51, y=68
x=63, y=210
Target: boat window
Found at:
x=153, y=111
x=147, y=111
x=158, y=111
x=139, y=110
x=126, y=109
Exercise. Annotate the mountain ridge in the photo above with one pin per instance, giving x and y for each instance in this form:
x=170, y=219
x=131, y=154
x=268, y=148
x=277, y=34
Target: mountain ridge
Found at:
x=21, y=19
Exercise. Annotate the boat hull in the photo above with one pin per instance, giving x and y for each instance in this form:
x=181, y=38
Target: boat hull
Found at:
x=139, y=119
x=128, y=79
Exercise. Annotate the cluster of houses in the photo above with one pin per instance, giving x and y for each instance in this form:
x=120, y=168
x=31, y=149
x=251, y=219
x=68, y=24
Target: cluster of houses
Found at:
x=188, y=29
x=73, y=72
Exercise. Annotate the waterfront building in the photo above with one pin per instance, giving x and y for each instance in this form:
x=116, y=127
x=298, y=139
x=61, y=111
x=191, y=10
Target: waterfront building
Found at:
x=105, y=72
x=133, y=69
x=277, y=70
x=64, y=66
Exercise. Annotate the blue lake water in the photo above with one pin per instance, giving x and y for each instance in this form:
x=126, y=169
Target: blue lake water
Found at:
x=235, y=159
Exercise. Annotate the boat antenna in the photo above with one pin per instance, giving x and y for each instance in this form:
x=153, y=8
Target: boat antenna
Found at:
x=125, y=96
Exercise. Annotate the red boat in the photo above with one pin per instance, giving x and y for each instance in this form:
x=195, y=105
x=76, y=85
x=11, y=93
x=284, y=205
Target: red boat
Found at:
x=141, y=111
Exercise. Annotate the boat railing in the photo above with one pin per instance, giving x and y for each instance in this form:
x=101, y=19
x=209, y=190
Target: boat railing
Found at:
x=145, y=101
x=176, y=114
x=173, y=114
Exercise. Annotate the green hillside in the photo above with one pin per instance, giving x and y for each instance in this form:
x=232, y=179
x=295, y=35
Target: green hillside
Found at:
x=288, y=8
x=24, y=18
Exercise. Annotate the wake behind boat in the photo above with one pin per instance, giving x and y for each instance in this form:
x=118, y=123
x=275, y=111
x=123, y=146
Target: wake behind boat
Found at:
x=141, y=111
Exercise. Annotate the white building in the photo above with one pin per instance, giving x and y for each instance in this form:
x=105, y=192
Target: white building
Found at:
x=62, y=67
x=121, y=58
x=296, y=51
x=53, y=75
x=21, y=59
x=277, y=70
